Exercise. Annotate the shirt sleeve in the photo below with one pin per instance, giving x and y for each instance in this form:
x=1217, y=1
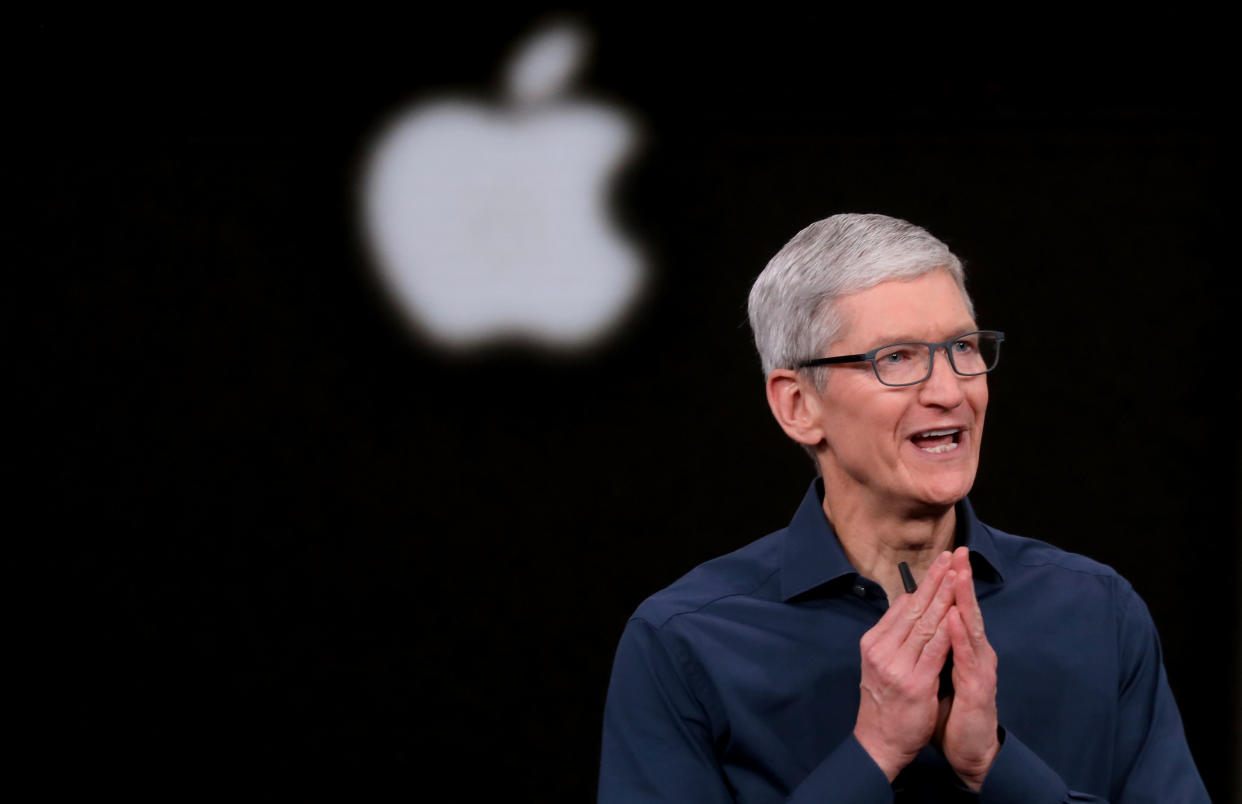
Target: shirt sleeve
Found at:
x=659, y=743
x=1152, y=761
x=1019, y=776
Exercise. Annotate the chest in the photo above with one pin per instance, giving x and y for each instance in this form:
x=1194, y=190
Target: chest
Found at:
x=786, y=689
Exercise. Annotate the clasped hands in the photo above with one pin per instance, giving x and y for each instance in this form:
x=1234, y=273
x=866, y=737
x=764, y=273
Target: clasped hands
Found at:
x=902, y=656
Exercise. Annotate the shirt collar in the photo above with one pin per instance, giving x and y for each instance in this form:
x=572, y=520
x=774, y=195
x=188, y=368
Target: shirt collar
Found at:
x=813, y=555
x=985, y=558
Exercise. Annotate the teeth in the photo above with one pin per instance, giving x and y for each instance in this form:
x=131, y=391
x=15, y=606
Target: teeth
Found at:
x=941, y=448
x=934, y=433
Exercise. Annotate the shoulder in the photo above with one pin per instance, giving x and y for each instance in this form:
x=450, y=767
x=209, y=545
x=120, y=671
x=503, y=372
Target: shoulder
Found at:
x=751, y=571
x=1041, y=565
x=1033, y=553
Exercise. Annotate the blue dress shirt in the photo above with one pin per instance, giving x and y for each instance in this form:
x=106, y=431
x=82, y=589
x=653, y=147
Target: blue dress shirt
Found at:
x=740, y=681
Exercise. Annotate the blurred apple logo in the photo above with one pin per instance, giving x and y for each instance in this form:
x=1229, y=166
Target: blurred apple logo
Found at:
x=490, y=222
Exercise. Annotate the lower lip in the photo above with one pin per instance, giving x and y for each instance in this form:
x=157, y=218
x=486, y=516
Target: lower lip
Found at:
x=956, y=449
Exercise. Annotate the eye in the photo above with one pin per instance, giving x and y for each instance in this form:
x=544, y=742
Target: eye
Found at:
x=895, y=355
x=964, y=347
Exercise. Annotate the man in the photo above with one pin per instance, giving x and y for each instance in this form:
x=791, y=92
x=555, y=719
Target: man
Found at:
x=797, y=668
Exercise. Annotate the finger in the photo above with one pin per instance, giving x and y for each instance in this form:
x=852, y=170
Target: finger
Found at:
x=927, y=627
x=878, y=644
x=908, y=608
x=967, y=603
x=959, y=638
x=932, y=659
x=974, y=671
x=961, y=562
x=938, y=567
x=891, y=618
x=921, y=598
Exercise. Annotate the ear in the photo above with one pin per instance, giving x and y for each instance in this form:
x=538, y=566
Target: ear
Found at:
x=796, y=405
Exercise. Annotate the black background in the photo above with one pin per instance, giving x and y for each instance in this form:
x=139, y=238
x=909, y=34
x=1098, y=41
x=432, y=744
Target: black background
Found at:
x=290, y=543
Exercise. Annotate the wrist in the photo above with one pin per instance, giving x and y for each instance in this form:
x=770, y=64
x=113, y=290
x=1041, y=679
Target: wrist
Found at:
x=973, y=776
x=889, y=762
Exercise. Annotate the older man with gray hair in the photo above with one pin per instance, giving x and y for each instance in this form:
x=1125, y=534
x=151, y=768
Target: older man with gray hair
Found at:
x=887, y=645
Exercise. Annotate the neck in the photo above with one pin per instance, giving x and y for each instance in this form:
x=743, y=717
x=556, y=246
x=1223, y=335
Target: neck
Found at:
x=876, y=538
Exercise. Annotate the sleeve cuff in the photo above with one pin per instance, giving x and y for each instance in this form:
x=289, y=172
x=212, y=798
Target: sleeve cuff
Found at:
x=847, y=774
x=1019, y=776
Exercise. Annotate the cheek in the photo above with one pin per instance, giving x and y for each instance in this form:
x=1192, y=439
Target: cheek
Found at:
x=979, y=404
x=867, y=433
x=978, y=399
x=889, y=423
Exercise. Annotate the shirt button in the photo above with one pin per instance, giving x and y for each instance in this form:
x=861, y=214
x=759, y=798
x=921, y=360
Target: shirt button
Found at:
x=861, y=591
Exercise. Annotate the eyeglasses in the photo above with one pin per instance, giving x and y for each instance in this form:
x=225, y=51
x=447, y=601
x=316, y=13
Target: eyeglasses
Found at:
x=899, y=364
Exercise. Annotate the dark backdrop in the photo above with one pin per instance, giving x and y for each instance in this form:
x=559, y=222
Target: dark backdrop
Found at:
x=290, y=543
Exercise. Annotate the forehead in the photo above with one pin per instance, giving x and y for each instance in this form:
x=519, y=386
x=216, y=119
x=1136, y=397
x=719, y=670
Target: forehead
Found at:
x=927, y=308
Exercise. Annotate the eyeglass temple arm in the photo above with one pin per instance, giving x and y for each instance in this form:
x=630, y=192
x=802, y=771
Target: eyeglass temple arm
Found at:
x=827, y=361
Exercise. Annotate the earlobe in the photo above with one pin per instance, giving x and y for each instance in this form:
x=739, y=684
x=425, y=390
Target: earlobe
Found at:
x=796, y=406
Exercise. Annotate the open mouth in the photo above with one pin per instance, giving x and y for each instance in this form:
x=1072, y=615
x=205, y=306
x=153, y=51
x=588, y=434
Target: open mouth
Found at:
x=937, y=441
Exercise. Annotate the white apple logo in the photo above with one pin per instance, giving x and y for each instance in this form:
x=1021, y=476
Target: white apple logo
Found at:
x=491, y=223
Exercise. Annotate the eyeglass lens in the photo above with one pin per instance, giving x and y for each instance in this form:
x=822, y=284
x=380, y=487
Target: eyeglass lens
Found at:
x=907, y=363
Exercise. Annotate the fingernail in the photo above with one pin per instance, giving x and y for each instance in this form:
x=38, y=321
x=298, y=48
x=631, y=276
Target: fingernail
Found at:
x=943, y=559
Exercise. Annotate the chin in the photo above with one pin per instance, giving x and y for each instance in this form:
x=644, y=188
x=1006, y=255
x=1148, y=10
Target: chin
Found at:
x=948, y=491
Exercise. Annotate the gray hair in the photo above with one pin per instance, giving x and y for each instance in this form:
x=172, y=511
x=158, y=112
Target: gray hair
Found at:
x=792, y=303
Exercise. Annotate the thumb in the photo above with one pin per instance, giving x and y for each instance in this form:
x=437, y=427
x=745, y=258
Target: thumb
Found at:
x=934, y=653
x=942, y=718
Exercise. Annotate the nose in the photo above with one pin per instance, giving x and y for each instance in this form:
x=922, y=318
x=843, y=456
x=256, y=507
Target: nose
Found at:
x=944, y=387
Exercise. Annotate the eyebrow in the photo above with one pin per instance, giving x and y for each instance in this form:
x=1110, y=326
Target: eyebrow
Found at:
x=912, y=339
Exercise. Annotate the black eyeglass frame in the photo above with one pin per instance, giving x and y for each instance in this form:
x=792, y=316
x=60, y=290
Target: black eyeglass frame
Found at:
x=869, y=357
